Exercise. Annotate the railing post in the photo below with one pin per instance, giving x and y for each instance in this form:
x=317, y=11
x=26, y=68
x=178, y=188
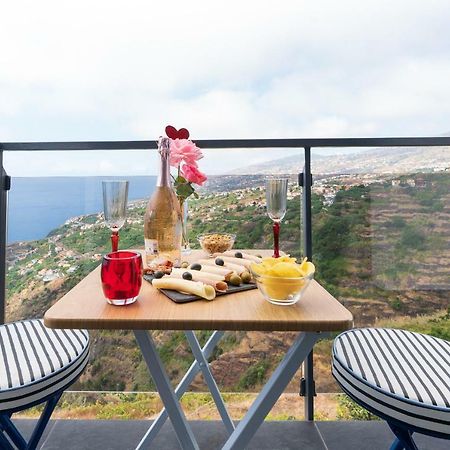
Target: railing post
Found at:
x=307, y=388
x=4, y=187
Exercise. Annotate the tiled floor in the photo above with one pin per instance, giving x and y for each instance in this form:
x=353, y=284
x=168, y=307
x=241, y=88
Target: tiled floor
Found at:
x=123, y=435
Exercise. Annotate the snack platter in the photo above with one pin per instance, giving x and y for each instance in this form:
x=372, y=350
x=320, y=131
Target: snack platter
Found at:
x=206, y=278
x=179, y=297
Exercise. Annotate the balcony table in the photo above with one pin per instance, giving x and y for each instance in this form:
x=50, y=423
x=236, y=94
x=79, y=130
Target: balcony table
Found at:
x=314, y=315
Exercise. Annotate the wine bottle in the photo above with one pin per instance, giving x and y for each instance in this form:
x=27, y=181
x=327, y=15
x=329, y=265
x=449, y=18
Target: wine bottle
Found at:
x=163, y=221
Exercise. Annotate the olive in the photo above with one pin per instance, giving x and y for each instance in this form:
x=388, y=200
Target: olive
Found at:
x=184, y=264
x=220, y=261
x=246, y=277
x=238, y=255
x=158, y=274
x=259, y=256
x=187, y=276
x=235, y=280
x=196, y=266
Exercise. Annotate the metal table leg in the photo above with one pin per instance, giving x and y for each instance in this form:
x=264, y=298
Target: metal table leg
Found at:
x=180, y=390
x=272, y=391
x=210, y=381
x=183, y=431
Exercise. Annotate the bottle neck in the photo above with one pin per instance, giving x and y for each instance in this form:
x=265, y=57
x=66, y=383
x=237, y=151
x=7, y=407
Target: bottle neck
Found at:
x=164, y=170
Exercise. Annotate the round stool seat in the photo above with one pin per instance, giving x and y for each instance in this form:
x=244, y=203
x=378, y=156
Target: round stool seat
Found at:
x=36, y=362
x=401, y=376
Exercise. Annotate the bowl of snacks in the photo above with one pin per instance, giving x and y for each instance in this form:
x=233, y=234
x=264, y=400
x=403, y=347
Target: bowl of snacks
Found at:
x=282, y=281
x=216, y=242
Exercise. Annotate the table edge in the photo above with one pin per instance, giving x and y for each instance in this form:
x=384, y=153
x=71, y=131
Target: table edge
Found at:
x=93, y=324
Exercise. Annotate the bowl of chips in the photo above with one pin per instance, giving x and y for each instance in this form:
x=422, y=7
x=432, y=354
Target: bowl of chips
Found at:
x=282, y=281
x=216, y=242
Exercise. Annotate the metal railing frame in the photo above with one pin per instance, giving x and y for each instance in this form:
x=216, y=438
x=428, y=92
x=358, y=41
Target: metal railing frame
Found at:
x=305, y=180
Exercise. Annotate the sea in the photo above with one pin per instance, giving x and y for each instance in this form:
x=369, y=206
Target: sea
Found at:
x=37, y=205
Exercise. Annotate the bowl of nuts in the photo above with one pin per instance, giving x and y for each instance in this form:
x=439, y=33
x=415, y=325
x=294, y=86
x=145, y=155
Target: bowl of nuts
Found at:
x=216, y=242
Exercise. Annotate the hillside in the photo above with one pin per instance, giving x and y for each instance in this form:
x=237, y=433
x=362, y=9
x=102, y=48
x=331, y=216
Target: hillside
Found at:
x=375, y=161
x=382, y=248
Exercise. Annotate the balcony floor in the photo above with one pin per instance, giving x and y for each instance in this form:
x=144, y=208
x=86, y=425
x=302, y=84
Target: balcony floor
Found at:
x=123, y=435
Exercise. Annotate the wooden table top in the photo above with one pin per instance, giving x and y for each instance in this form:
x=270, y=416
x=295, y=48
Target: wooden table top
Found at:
x=84, y=306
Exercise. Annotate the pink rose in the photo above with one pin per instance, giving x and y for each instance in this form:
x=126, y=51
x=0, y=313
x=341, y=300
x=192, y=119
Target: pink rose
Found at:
x=192, y=174
x=184, y=150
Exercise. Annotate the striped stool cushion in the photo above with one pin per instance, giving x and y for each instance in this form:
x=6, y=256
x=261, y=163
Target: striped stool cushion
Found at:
x=36, y=361
x=401, y=375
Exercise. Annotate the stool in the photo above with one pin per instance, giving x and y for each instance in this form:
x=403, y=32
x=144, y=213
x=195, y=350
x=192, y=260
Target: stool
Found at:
x=36, y=365
x=400, y=376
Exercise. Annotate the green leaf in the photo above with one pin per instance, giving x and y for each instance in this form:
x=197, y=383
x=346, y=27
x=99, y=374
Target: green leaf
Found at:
x=184, y=190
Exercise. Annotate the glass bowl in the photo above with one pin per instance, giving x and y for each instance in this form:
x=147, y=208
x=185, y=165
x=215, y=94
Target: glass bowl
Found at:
x=216, y=242
x=280, y=290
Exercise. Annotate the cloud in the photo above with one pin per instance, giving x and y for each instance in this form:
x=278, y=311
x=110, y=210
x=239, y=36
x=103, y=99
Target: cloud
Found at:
x=83, y=70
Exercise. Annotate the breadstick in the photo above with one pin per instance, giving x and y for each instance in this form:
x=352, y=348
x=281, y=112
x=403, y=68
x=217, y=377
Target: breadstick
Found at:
x=219, y=286
x=228, y=259
x=244, y=255
x=216, y=281
x=215, y=269
x=197, y=273
x=185, y=286
x=234, y=267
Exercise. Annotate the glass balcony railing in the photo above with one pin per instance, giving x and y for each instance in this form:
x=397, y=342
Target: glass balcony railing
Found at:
x=376, y=222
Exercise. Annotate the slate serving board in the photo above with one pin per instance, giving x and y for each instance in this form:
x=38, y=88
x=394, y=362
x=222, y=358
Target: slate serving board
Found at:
x=178, y=297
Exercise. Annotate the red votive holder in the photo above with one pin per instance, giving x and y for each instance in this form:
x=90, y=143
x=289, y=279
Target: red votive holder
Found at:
x=121, y=276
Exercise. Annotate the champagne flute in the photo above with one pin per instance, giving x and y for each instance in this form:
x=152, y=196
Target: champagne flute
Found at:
x=276, y=197
x=115, y=197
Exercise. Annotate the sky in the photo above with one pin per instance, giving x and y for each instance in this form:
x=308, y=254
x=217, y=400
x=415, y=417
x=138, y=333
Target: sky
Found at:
x=115, y=70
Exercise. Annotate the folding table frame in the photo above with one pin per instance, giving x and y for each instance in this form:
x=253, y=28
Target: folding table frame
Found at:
x=240, y=435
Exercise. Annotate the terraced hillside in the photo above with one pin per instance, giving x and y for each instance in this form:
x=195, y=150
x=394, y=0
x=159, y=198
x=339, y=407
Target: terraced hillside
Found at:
x=381, y=248
x=384, y=250
x=411, y=234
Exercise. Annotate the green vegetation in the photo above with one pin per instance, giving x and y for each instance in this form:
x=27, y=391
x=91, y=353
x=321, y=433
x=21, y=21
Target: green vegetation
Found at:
x=412, y=238
x=349, y=410
x=396, y=304
x=196, y=405
x=395, y=222
x=437, y=325
x=254, y=375
x=338, y=235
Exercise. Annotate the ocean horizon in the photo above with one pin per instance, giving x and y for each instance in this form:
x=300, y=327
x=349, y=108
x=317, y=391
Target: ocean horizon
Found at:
x=38, y=205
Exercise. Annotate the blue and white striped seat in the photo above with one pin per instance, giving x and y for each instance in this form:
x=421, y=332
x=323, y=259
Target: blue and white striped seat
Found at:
x=36, y=361
x=36, y=365
x=401, y=376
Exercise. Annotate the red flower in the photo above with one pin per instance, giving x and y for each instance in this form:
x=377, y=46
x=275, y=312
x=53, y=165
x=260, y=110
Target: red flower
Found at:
x=192, y=174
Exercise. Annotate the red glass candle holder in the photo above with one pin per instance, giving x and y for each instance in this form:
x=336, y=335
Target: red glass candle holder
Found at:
x=121, y=276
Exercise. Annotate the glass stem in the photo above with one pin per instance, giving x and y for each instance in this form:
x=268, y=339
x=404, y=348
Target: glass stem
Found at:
x=185, y=248
x=276, y=234
x=115, y=241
